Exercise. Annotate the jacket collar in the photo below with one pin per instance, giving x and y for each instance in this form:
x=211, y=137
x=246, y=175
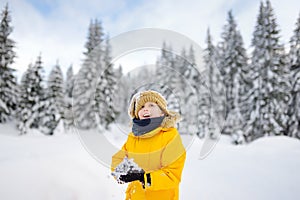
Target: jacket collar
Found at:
x=149, y=134
x=144, y=126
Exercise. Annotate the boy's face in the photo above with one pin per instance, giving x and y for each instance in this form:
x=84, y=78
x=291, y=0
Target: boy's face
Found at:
x=150, y=110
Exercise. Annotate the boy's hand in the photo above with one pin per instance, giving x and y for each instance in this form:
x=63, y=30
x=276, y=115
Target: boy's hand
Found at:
x=133, y=176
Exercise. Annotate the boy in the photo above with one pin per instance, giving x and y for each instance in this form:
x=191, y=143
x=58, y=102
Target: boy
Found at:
x=155, y=146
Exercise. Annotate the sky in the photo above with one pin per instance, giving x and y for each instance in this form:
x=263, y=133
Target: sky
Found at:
x=58, y=29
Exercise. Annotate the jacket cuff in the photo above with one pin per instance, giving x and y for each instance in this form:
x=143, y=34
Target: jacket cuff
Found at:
x=147, y=179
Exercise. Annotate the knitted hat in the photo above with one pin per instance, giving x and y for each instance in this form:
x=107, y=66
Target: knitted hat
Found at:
x=139, y=100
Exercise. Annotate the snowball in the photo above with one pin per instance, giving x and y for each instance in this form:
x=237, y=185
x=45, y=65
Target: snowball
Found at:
x=126, y=166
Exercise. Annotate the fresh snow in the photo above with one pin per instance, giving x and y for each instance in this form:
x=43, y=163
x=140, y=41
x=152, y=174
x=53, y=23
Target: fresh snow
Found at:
x=126, y=166
x=36, y=166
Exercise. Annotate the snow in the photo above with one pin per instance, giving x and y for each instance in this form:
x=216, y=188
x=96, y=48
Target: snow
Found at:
x=58, y=167
x=3, y=106
x=127, y=165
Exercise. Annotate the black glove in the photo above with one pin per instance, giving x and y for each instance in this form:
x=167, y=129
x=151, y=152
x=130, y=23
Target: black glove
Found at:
x=133, y=176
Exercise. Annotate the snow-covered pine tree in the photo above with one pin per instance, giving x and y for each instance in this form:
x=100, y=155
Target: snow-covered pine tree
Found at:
x=167, y=73
x=8, y=85
x=37, y=92
x=181, y=63
x=94, y=38
x=191, y=56
x=95, y=57
x=69, y=85
x=234, y=59
x=215, y=99
x=203, y=108
x=105, y=91
x=181, y=90
x=55, y=86
x=85, y=82
x=24, y=115
x=31, y=108
x=255, y=99
x=189, y=93
x=294, y=54
x=188, y=74
x=294, y=105
x=270, y=91
x=163, y=62
x=178, y=79
x=54, y=102
x=122, y=95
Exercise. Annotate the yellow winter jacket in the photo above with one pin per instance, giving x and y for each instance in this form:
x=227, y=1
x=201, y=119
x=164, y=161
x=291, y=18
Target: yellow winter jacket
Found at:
x=160, y=153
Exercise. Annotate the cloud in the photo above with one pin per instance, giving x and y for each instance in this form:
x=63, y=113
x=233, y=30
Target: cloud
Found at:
x=58, y=34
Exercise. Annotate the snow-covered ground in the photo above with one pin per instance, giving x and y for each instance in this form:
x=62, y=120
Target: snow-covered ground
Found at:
x=59, y=167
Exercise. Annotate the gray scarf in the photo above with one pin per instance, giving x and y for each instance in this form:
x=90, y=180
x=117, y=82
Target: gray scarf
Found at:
x=142, y=126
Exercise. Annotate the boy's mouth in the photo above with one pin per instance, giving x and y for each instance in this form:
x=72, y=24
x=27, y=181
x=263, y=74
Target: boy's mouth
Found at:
x=146, y=115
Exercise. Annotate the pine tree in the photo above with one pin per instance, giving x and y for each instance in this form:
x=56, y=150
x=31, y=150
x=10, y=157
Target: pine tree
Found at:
x=191, y=96
x=8, y=85
x=253, y=126
x=37, y=92
x=32, y=105
x=83, y=97
x=179, y=89
x=55, y=86
x=167, y=75
x=270, y=91
x=85, y=82
x=95, y=37
x=234, y=59
x=54, y=101
x=191, y=56
x=294, y=105
x=179, y=81
x=213, y=103
x=69, y=85
x=122, y=95
x=294, y=54
x=105, y=91
x=69, y=82
x=165, y=64
x=25, y=118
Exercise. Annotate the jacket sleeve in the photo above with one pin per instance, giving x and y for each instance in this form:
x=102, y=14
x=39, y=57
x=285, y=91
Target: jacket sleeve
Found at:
x=172, y=162
x=118, y=157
